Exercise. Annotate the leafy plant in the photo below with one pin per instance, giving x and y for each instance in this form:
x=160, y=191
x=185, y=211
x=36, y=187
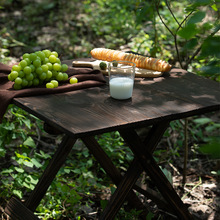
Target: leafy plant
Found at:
x=197, y=32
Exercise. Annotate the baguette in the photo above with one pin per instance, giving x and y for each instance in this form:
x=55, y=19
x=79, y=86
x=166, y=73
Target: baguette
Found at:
x=140, y=61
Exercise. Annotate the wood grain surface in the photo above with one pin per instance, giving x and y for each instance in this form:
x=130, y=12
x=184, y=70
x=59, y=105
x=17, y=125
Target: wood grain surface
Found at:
x=177, y=94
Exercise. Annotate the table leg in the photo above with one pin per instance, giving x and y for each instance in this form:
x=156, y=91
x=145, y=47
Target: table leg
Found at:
x=50, y=172
x=112, y=171
x=148, y=163
x=133, y=173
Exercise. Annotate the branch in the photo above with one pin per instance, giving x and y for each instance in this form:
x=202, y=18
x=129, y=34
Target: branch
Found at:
x=179, y=26
x=184, y=21
x=168, y=6
x=157, y=8
x=174, y=35
x=199, y=48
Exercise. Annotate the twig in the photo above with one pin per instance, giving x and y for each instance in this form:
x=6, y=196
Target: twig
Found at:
x=174, y=168
x=199, y=183
x=157, y=8
x=168, y=6
x=173, y=34
x=185, y=151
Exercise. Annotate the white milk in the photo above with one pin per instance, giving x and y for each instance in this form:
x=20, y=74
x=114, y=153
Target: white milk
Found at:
x=121, y=87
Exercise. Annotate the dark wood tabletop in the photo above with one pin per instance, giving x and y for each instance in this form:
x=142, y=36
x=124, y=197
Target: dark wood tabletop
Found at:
x=175, y=95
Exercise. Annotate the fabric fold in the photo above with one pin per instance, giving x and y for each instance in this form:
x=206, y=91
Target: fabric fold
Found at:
x=86, y=78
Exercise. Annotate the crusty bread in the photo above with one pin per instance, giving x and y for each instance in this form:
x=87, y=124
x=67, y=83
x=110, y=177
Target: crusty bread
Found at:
x=140, y=61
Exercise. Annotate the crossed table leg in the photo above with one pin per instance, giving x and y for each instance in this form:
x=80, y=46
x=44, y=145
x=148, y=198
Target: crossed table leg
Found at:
x=144, y=157
x=143, y=161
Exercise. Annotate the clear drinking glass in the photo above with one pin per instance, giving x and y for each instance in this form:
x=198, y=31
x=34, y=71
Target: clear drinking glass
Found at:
x=121, y=79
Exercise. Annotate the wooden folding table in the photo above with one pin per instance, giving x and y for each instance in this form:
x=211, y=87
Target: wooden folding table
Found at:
x=86, y=113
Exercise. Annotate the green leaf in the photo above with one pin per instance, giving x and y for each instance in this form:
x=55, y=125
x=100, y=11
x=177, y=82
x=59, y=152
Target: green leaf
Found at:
x=2, y=152
x=212, y=148
x=28, y=185
x=210, y=47
x=214, y=7
x=168, y=174
x=18, y=193
x=150, y=216
x=210, y=69
x=191, y=44
x=30, y=142
x=188, y=32
x=6, y=171
x=197, y=17
x=202, y=121
x=32, y=180
x=201, y=2
x=28, y=164
x=27, y=122
x=43, y=155
x=19, y=170
x=66, y=170
x=36, y=163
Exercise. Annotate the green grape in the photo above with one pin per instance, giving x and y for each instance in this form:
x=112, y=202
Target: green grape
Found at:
x=54, y=53
x=13, y=75
x=30, y=77
x=55, y=83
x=115, y=63
x=21, y=74
x=24, y=82
x=46, y=60
x=37, y=52
x=56, y=67
x=58, y=61
x=27, y=70
x=17, y=86
x=41, y=55
x=103, y=66
x=9, y=77
x=52, y=58
x=30, y=83
x=49, y=74
x=44, y=68
x=73, y=80
x=18, y=81
x=55, y=73
x=50, y=66
x=65, y=76
x=37, y=62
x=50, y=85
x=33, y=56
x=16, y=68
x=43, y=76
x=64, y=67
x=26, y=55
x=39, y=70
x=59, y=76
x=23, y=63
x=47, y=53
x=32, y=68
x=36, y=82
x=28, y=61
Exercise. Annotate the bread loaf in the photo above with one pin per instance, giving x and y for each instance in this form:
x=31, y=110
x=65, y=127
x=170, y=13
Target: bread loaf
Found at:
x=140, y=61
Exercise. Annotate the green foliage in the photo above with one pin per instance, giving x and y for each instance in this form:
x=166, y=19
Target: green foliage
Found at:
x=211, y=147
x=188, y=37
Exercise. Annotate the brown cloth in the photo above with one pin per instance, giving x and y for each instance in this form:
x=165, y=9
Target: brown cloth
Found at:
x=86, y=78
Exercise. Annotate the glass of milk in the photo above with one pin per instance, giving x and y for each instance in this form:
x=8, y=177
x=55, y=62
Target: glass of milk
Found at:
x=121, y=79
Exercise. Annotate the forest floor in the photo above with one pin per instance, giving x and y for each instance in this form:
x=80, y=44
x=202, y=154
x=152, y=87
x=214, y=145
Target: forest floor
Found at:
x=201, y=191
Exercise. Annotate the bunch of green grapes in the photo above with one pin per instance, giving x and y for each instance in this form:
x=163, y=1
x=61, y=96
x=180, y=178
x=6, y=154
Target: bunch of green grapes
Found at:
x=41, y=67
